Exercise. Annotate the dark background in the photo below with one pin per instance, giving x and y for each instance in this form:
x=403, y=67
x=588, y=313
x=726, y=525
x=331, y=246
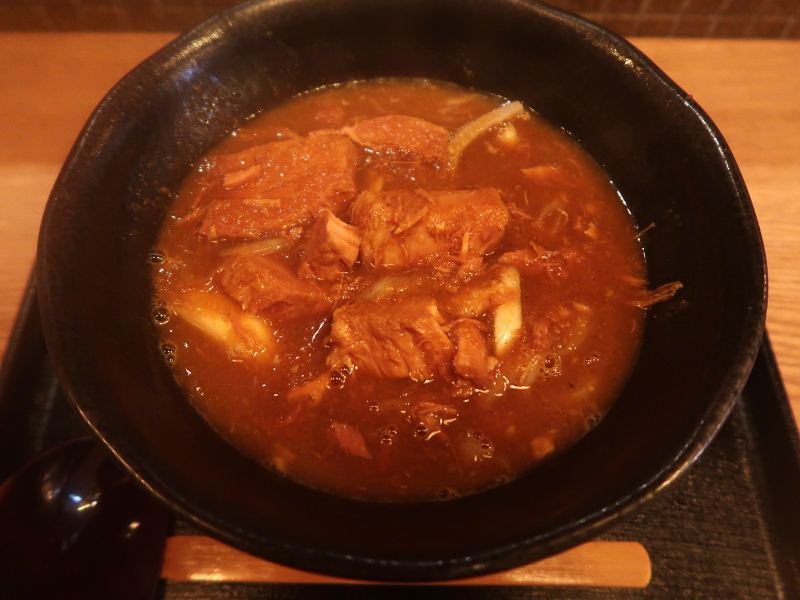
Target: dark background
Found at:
x=678, y=18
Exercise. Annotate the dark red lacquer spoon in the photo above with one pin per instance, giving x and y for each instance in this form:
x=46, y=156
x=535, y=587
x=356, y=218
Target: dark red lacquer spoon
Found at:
x=73, y=525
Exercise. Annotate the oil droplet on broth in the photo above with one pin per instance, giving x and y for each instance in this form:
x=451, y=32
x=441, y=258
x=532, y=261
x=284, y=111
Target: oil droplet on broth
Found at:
x=161, y=315
x=592, y=421
x=337, y=379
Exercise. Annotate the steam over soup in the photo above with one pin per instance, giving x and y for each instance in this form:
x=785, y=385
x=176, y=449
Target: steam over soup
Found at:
x=400, y=290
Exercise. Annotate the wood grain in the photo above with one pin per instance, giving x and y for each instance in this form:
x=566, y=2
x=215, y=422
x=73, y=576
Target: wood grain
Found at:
x=608, y=564
x=49, y=84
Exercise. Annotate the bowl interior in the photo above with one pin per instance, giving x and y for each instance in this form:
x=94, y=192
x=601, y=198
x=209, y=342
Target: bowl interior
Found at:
x=666, y=158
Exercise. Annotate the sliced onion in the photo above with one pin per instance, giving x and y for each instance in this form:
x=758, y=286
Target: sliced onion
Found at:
x=223, y=320
x=508, y=316
x=464, y=136
x=260, y=247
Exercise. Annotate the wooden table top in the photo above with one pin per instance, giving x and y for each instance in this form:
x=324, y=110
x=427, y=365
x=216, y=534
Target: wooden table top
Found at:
x=49, y=83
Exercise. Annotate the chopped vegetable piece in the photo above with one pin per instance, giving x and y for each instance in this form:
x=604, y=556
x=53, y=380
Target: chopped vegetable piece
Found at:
x=267, y=246
x=467, y=134
x=508, y=316
x=220, y=318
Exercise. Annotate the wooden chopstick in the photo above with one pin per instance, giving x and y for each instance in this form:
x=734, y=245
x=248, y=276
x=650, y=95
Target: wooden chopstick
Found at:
x=606, y=564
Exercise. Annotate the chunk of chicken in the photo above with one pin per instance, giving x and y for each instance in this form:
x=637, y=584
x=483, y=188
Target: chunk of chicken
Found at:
x=263, y=285
x=391, y=338
x=279, y=185
x=332, y=248
x=401, y=133
x=401, y=228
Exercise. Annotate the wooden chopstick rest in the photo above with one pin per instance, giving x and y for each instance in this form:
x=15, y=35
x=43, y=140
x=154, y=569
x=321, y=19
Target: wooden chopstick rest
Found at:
x=606, y=564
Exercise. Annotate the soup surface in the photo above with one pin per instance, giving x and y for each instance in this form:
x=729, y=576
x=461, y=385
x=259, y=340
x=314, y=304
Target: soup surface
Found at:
x=400, y=290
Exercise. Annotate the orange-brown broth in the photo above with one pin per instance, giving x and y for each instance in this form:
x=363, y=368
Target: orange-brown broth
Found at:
x=593, y=329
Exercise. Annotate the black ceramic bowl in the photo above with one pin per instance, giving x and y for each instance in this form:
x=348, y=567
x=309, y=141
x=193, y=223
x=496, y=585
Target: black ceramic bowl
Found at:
x=664, y=154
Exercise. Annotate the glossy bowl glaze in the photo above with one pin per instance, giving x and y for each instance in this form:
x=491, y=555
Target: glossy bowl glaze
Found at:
x=663, y=153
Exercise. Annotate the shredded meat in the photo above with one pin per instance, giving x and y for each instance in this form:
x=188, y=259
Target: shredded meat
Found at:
x=350, y=440
x=332, y=248
x=400, y=133
x=472, y=359
x=538, y=260
x=279, y=185
x=263, y=285
x=647, y=298
x=401, y=228
x=391, y=338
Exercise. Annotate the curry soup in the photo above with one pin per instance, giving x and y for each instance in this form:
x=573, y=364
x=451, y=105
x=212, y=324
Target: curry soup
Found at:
x=400, y=290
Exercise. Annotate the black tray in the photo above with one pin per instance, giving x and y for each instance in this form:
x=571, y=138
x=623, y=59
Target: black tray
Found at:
x=728, y=528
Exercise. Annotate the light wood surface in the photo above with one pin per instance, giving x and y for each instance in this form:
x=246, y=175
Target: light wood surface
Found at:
x=593, y=564
x=49, y=83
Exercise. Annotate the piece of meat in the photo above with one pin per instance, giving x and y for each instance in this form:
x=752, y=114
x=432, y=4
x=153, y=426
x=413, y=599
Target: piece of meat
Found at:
x=269, y=188
x=326, y=112
x=401, y=133
x=392, y=337
x=538, y=260
x=401, y=228
x=332, y=248
x=472, y=359
x=350, y=440
x=263, y=285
